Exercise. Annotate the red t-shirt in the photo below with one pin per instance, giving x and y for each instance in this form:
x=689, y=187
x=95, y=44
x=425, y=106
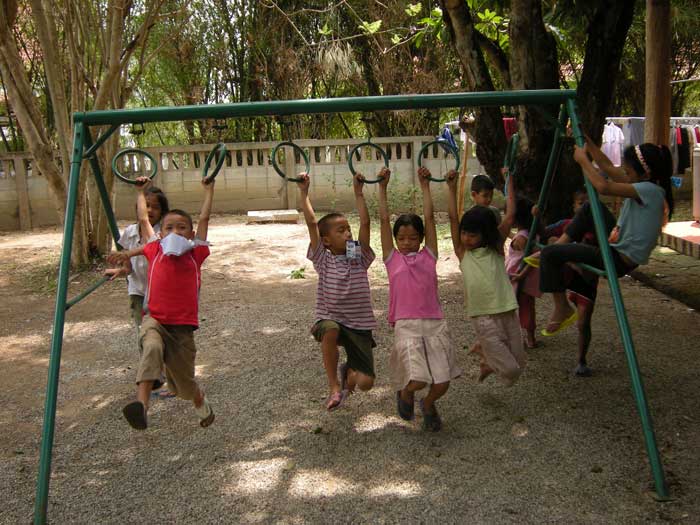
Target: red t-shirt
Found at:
x=173, y=284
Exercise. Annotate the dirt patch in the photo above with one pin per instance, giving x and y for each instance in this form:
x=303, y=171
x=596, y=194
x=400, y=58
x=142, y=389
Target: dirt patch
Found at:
x=552, y=449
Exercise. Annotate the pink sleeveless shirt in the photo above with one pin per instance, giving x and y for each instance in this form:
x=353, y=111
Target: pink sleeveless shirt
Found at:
x=413, y=291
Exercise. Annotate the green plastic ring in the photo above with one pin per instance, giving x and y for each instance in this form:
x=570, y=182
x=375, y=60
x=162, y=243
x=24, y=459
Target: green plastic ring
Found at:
x=273, y=157
x=125, y=151
x=375, y=146
x=449, y=148
x=220, y=150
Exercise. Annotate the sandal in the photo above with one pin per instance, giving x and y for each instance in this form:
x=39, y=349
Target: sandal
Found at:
x=205, y=413
x=431, y=420
x=135, y=415
x=335, y=400
x=406, y=410
x=166, y=394
x=532, y=260
x=566, y=323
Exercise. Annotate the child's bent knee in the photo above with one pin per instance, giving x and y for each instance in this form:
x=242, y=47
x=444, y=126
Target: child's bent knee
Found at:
x=364, y=382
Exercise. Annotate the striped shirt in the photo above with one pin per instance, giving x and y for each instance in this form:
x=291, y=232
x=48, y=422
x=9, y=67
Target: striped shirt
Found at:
x=343, y=288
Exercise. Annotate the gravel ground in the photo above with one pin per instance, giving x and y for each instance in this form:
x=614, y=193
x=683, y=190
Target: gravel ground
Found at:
x=554, y=448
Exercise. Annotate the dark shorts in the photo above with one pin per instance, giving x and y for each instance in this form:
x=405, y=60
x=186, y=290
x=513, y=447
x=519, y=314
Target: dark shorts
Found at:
x=358, y=344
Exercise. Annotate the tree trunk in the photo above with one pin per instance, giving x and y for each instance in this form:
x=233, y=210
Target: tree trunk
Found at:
x=20, y=97
x=607, y=33
x=657, y=106
x=488, y=130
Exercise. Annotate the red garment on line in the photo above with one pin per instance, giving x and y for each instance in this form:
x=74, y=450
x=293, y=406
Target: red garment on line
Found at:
x=510, y=126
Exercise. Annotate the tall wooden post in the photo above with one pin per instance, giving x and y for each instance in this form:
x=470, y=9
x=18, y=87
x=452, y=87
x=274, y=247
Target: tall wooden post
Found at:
x=463, y=175
x=657, y=102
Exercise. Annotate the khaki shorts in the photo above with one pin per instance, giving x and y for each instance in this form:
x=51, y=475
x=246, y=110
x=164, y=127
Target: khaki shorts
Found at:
x=358, y=344
x=171, y=346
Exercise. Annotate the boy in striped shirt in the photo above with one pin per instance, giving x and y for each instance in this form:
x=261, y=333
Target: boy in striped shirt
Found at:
x=344, y=315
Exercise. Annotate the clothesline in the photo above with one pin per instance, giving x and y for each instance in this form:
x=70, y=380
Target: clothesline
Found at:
x=674, y=120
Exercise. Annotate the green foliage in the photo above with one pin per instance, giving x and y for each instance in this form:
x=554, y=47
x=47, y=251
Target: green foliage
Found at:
x=370, y=28
x=414, y=9
x=298, y=273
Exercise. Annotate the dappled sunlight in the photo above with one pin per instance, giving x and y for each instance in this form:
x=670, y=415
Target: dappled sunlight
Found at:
x=272, y=438
x=269, y=330
x=21, y=346
x=379, y=392
x=402, y=489
x=376, y=421
x=253, y=477
x=320, y=484
x=75, y=330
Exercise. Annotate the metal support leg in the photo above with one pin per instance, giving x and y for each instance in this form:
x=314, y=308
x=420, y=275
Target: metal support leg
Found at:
x=547, y=182
x=623, y=324
x=42, y=487
x=100, y=182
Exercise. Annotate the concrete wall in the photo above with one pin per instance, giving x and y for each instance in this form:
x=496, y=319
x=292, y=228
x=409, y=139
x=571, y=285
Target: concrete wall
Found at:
x=247, y=181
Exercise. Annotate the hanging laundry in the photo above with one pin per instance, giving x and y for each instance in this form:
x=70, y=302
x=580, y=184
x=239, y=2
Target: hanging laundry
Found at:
x=673, y=146
x=633, y=129
x=697, y=134
x=613, y=142
x=683, y=150
x=510, y=126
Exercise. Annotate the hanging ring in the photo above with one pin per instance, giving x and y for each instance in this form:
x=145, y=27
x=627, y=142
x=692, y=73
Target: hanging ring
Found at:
x=302, y=153
x=128, y=151
x=447, y=147
x=375, y=146
x=218, y=151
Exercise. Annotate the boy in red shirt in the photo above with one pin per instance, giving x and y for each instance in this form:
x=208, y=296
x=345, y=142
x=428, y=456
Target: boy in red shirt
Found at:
x=167, y=331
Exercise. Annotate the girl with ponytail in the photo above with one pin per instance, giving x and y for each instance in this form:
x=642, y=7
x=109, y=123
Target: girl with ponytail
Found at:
x=644, y=181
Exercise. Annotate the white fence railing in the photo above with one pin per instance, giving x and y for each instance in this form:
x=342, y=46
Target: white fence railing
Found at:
x=247, y=180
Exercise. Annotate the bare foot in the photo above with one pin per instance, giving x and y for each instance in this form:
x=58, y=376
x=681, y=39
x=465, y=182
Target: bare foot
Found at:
x=558, y=317
x=484, y=371
x=476, y=349
x=530, y=340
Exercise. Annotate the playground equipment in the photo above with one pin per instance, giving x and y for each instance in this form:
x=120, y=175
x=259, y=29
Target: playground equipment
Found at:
x=131, y=151
x=84, y=149
x=359, y=148
x=448, y=148
x=302, y=154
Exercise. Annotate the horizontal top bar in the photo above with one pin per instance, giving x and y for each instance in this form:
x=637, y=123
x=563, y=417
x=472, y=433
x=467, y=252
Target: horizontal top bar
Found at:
x=325, y=105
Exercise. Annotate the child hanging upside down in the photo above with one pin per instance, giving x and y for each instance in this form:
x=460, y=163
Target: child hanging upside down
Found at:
x=344, y=315
x=167, y=332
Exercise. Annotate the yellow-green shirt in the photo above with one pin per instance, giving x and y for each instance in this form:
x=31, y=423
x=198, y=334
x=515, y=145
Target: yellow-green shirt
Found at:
x=487, y=288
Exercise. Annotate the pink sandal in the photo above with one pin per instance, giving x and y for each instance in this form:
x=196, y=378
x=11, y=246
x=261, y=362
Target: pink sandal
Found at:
x=335, y=400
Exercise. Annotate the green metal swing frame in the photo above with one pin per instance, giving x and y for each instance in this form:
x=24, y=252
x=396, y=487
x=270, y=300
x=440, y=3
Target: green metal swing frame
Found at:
x=84, y=148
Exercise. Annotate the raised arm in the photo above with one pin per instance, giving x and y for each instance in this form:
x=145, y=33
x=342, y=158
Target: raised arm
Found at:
x=203, y=222
x=507, y=221
x=145, y=227
x=387, y=236
x=428, y=211
x=308, y=210
x=452, y=212
x=616, y=173
x=601, y=184
x=358, y=182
